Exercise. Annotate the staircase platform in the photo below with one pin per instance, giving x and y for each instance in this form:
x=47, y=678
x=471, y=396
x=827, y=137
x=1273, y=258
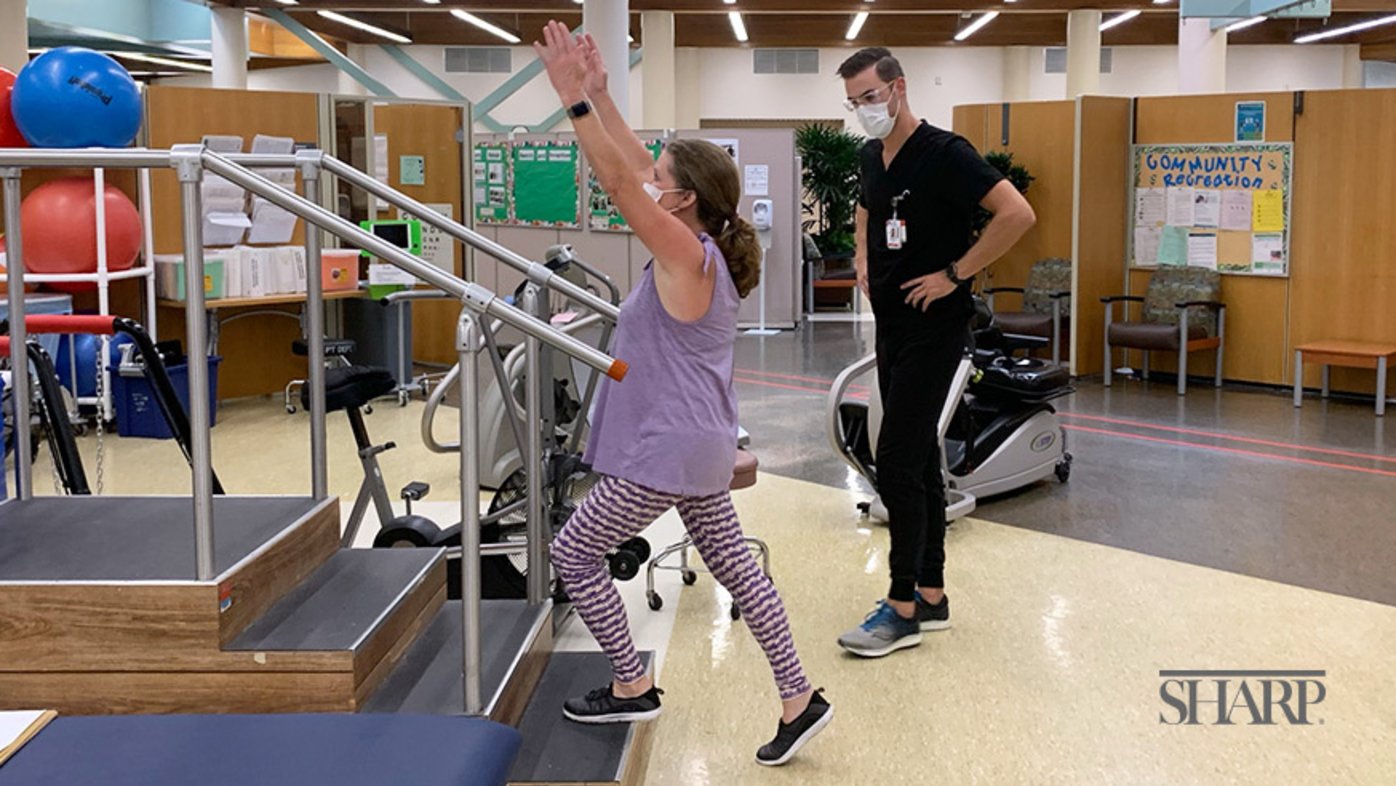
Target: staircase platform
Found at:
x=100, y=610
x=516, y=642
x=559, y=751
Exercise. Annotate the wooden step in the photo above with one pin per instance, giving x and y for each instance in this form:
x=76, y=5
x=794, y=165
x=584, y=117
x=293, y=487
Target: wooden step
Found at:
x=109, y=584
x=558, y=751
x=516, y=641
x=360, y=611
x=321, y=648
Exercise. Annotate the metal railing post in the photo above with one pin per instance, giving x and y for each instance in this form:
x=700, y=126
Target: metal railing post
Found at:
x=19, y=361
x=467, y=334
x=186, y=160
x=309, y=163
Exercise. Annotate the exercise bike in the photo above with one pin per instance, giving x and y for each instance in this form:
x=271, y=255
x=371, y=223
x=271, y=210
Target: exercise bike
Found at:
x=998, y=433
x=566, y=479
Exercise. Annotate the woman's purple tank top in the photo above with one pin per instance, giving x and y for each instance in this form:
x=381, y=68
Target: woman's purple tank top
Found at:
x=672, y=424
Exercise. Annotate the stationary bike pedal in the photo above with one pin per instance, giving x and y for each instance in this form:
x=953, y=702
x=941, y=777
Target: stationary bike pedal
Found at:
x=415, y=490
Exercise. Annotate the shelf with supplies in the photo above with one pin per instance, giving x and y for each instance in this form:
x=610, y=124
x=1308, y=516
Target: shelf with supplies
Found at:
x=267, y=300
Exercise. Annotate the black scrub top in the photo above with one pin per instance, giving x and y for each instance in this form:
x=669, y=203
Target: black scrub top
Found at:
x=940, y=179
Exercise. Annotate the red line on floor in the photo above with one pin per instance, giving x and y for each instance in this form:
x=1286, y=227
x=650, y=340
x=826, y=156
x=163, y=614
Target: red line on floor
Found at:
x=796, y=378
x=782, y=386
x=1234, y=451
x=1215, y=435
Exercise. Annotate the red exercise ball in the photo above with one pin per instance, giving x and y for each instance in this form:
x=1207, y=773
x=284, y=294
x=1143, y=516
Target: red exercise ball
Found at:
x=9, y=132
x=59, y=220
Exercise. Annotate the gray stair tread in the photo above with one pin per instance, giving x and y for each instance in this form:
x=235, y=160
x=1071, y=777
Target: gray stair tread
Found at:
x=557, y=750
x=132, y=538
x=340, y=604
x=428, y=678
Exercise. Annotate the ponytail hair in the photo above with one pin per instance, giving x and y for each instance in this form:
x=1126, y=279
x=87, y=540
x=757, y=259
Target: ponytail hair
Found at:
x=742, y=250
x=710, y=173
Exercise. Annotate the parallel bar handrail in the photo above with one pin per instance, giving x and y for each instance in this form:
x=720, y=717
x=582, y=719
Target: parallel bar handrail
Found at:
x=474, y=296
x=537, y=273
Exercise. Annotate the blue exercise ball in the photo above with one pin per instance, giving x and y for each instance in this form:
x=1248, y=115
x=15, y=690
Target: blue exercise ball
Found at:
x=75, y=97
x=87, y=360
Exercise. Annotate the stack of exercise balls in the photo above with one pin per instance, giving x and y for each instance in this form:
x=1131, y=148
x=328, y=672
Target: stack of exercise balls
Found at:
x=71, y=97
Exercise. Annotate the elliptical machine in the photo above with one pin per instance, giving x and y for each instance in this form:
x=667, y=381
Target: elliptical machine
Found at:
x=998, y=433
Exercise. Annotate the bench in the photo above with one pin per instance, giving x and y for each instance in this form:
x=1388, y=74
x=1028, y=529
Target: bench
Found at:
x=1352, y=354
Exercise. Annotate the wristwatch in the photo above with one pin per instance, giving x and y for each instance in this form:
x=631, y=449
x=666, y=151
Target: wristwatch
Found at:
x=953, y=275
x=579, y=109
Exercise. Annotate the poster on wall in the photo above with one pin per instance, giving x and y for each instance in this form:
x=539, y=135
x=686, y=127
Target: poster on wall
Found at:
x=602, y=216
x=438, y=248
x=488, y=179
x=733, y=148
x=1223, y=207
x=546, y=184
x=1250, y=121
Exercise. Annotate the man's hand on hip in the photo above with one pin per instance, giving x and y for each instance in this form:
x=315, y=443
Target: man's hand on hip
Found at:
x=923, y=291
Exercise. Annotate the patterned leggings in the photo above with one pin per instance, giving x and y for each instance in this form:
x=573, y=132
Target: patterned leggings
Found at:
x=616, y=510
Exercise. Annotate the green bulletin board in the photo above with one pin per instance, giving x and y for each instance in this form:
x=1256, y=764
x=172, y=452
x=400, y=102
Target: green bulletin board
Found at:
x=1224, y=207
x=545, y=184
x=602, y=214
x=490, y=178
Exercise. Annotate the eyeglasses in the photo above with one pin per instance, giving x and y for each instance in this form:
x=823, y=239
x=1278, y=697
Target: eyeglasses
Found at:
x=870, y=97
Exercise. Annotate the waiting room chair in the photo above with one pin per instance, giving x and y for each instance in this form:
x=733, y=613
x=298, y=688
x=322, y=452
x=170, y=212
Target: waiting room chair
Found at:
x=1182, y=313
x=1046, y=310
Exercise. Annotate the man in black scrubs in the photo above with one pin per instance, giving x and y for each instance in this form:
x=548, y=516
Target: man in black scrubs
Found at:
x=920, y=188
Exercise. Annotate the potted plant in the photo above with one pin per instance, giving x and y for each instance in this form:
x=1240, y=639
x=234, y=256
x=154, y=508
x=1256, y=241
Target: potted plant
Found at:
x=1017, y=174
x=830, y=181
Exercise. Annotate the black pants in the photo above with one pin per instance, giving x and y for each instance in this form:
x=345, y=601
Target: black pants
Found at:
x=914, y=371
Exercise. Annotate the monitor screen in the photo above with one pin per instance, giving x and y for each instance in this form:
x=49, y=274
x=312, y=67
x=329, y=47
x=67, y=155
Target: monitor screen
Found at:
x=396, y=234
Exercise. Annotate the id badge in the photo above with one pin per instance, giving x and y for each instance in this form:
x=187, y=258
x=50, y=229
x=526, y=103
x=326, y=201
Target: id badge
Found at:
x=896, y=234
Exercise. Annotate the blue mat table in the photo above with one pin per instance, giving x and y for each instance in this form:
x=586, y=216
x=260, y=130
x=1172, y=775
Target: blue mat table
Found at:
x=266, y=750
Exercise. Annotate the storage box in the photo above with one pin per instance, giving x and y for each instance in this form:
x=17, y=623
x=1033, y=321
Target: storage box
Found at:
x=169, y=276
x=138, y=413
x=339, y=269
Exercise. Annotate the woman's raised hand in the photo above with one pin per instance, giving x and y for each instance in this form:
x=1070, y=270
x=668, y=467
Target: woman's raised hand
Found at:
x=566, y=62
x=596, y=78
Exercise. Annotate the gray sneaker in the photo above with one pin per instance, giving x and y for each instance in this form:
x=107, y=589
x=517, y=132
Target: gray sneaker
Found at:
x=935, y=617
x=882, y=633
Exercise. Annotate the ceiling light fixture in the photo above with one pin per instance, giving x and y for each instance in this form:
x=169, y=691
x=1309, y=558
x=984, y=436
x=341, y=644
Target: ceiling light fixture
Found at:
x=976, y=25
x=738, y=26
x=1334, y=33
x=1116, y=21
x=466, y=16
x=364, y=26
x=1244, y=23
x=144, y=58
x=857, y=26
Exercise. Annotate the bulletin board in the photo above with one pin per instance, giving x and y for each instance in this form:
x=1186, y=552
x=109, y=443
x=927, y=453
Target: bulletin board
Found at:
x=1224, y=207
x=545, y=184
x=490, y=179
x=601, y=214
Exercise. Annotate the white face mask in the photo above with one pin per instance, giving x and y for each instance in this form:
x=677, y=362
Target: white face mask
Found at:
x=875, y=120
x=656, y=193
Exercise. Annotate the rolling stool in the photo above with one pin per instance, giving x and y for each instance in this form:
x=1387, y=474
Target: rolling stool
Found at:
x=743, y=476
x=336, y=350
x=350, y=388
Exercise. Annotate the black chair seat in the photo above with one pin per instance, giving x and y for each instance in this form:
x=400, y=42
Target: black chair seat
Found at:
x=1146, y=335
x=334, y=347
x=1025, y=323
x=350, y=387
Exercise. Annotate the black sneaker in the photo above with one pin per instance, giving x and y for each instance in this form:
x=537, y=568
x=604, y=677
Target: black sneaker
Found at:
x=791, y=737
x=602, y=706
x=935, y=617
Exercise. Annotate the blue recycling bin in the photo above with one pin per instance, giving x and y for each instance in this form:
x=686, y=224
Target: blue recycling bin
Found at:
x=137, y=411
